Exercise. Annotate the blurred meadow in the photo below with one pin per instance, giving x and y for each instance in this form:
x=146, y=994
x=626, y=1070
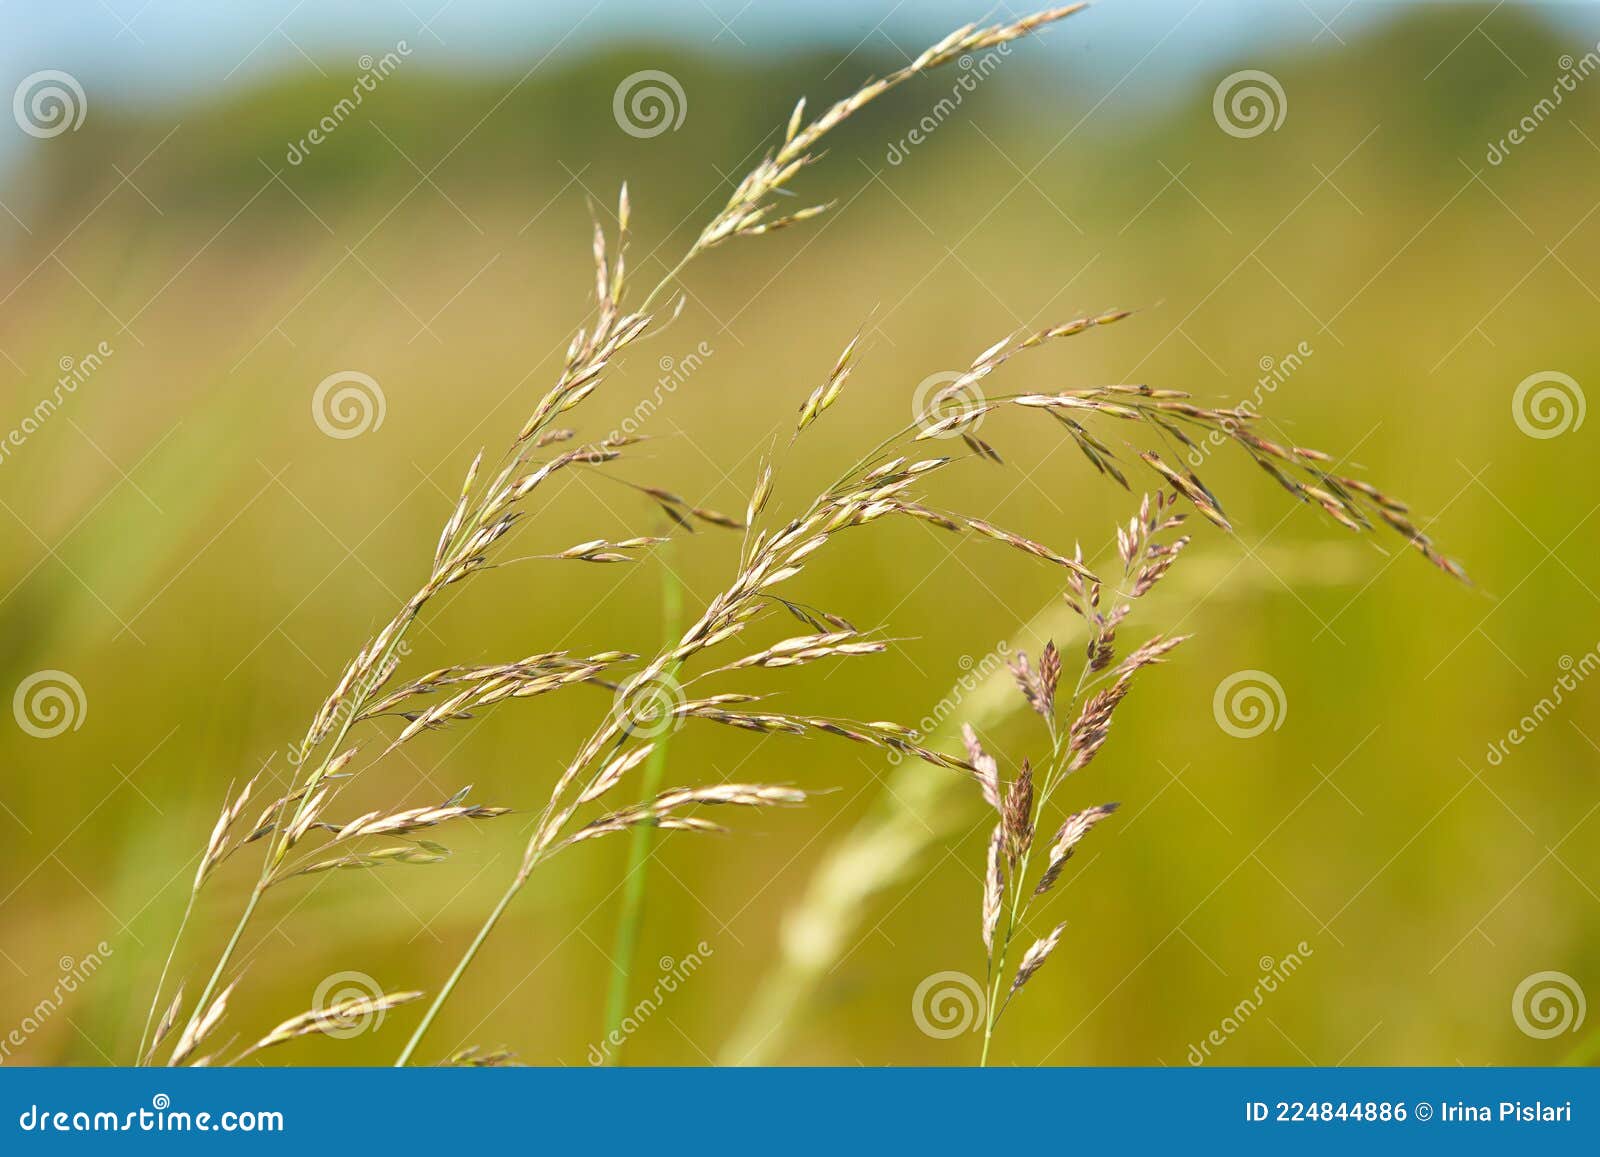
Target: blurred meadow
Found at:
x=182, y=539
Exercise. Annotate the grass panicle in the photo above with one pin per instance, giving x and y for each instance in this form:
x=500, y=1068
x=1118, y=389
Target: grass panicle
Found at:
x=744, y=631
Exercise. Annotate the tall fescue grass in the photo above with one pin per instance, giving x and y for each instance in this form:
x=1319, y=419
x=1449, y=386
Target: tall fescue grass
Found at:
x=713, y=671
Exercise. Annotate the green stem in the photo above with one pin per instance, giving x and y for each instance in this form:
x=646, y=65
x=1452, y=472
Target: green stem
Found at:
x=992, y=1007
x=461, y=967
x=278, y=847
x=161, y=984
x=275, y=854
x=551, y=810
x=521, y=878
x=631, y=916
x=201, y=1004
x=1021, y=899
x=671, y=276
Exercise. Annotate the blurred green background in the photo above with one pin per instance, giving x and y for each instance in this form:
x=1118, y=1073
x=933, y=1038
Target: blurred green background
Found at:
x=182, y=539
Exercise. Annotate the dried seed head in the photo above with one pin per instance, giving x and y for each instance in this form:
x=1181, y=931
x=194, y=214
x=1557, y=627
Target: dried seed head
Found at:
x=164, y=1027
x=1049, y=676
x=1017, y=814
x=615, y=770
x=1038, y=687
x=473, y=1057
x=336, y=1018
x=413, y=819
x=217, y=846
x=758, y=498
x=985, y=770
x=1038, y=952
x=994, y=884
x=200, y=1026
x=1066, y=839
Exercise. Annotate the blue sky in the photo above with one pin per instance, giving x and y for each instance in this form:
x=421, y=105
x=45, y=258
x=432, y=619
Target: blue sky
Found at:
x=168, y=48
x=131, y=52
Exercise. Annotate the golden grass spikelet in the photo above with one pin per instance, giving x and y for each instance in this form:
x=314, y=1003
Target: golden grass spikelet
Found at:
x=165, y=1026
x=613, y=772
x=421, y=852
x=1027, y=546
x=1033, y=959
x=660, y=812
x=200, y=1026
x=413, y=819
x=338, y=1017
x=759, y=496
x=803, y=649
x=474, y=1057
x=216, y=849
x=828, y=393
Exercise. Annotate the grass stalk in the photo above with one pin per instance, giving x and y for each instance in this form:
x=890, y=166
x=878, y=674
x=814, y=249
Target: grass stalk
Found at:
x=915, y=811
x=631, y=917
x=204, y=1000
x=459, y=971
x=161, y=982
x=878, y=487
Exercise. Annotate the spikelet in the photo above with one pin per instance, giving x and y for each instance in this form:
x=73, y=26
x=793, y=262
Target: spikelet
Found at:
x=164, y=1027
x=994, y=886
x=337, y=1018
x=985, y=770
x=1033, y=959
x=1066, y=840
x=200, y=1026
